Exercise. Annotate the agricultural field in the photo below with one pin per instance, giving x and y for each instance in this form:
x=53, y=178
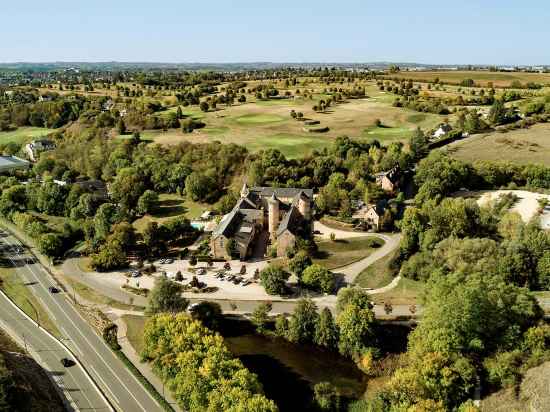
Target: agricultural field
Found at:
x=520, y=146
x=23, y=135
x=481, y=78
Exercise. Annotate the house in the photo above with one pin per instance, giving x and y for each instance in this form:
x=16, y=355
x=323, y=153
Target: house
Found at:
x=108, y=105
x=34, y=148
x=263, y=215
x=45, y=98
x=97, y=188
x=371, y=215
x=389, y=180
x=443, y=129
x=11, y=163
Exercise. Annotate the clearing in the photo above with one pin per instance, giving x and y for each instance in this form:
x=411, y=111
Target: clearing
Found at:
x=171, y=205
x=342, y=252
x=519, y=146
x=379, y=274
x=23, y=134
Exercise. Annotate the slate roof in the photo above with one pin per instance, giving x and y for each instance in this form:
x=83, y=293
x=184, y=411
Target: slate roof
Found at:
x=290, y=221
x=286, y=192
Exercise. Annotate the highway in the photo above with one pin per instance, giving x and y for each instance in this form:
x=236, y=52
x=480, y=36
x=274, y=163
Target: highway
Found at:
x=118, y=384
x=79, y=391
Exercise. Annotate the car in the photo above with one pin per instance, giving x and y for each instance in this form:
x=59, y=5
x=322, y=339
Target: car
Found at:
x=246, y=283
x=201, y=271
x=136, y=274
x=162, y=261
x=53, y=289
x=237, y=281
x=67, y=362
x=168, y=260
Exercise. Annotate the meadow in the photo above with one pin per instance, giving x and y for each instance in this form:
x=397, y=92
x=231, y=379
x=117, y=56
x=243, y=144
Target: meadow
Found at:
x=519, y=146
x=23, y=135
x=481, y=78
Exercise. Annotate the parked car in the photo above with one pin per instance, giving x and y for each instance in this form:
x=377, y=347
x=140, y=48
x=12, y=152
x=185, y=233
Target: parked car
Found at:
x=169, y=260
x=53, y=289
x=201, y=271
x=246, y=283
x=67, y=362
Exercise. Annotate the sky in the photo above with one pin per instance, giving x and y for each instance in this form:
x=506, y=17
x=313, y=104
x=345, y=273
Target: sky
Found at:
x=182, y=31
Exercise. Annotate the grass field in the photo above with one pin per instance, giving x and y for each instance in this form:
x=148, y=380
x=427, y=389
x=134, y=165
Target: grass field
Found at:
x=499, y=79
x=15, y=288
x=407, y=292
x=520, y=146
x=171, y=205
x=267, y=123
x=379, y=274
x=23, y=134
x=335, y=254
x=91, y=295
x=134, y=332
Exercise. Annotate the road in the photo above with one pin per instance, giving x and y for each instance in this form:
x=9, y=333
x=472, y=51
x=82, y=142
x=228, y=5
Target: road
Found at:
x=79, y=391
x=119, y=385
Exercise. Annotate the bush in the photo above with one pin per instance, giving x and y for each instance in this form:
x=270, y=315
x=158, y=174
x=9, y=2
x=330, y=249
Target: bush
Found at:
x=110, y=336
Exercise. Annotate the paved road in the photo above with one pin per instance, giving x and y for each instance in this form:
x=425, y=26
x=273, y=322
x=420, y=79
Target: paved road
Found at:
x=79, y=391
x=119, y=385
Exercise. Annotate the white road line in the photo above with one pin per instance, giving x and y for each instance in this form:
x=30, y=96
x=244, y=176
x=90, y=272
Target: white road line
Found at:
x=90, y=344
x=117, y=401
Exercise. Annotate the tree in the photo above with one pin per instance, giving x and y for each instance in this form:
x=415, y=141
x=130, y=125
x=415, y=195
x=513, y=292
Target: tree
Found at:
x=260, y=316
x=127, y=187
x=326, y=332
x=204, y=106
x=200, y=187
x=208, y=313
x=110, y=256
x=327, y=397
x=121, y=126
x=299, y=263
x=352, y=295
x=497, y=114
x=356, y=325
x=50, y=244
x=147, y=202
x=273, y=279
x=231, y=248
x=193, y=260
x=319, y=278
x=303, y=322
x=166, y=297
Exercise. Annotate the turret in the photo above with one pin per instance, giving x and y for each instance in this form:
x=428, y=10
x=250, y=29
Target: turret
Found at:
x=272, y=214
x=304, y=205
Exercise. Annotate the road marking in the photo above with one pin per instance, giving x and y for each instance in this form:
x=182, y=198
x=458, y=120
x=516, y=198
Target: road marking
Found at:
x=37, y=278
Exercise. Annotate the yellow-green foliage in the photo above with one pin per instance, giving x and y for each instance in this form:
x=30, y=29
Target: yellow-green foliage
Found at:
x=199, y=369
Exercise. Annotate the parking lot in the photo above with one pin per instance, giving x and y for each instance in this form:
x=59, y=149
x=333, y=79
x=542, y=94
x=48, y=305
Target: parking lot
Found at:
x=228, y=283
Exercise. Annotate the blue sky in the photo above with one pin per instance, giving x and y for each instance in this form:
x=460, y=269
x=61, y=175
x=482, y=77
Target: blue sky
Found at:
x=425, y=31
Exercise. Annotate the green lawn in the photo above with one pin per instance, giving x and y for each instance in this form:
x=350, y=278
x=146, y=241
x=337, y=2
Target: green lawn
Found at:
x=407, y=292
x=15, y=288
x=291, y=145
x=259, y=118
x=23, y=134
x=335, y=254
x=171, y=205
x=387, y=133
x=379, y=274
x=135, y=325
x=91, y=295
